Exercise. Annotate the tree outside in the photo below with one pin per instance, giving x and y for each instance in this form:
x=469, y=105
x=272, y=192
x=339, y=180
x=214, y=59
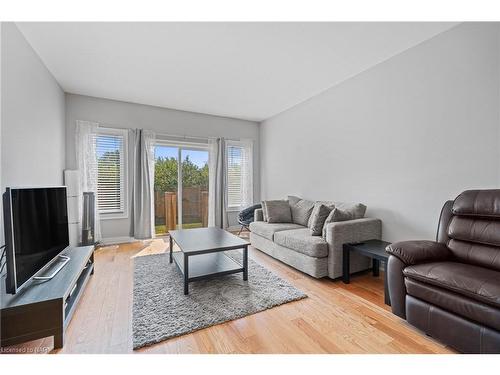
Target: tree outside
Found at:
x=166, y=174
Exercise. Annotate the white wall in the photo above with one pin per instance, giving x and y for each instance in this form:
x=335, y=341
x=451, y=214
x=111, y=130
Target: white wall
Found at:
x=402, y=137
x=32, y=116
x=161, y=120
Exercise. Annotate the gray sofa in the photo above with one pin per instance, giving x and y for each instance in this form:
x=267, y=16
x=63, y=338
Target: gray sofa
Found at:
x=318, y=256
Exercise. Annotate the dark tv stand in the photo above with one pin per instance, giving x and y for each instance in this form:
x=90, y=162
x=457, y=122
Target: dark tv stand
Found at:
x=44, y=308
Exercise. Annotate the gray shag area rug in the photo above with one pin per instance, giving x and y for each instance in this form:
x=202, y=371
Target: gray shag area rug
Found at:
x=162, y=311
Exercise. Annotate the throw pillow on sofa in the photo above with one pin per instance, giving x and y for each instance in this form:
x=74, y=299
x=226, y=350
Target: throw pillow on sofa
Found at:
x=328, y=204
x=277, y=211
x=337, y=215
x=354, y=211
x=319, y=214
x=264, y=211
x=301, y=210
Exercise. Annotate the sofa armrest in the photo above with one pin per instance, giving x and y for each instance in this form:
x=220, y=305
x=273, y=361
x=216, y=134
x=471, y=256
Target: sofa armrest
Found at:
x=356, y=230
x=339, y=233
x=258, y=215
x=414, y=252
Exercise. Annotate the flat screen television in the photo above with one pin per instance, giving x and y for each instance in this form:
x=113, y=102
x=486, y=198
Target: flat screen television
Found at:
x=36, y=231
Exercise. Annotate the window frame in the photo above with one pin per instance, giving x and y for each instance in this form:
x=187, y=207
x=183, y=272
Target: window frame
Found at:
x=240, y=144
x=116, y=214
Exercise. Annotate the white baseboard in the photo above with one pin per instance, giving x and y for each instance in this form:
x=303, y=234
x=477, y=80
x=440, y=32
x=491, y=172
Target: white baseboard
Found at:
x=116, y=240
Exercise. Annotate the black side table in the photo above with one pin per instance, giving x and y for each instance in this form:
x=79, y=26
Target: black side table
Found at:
x=374, y=249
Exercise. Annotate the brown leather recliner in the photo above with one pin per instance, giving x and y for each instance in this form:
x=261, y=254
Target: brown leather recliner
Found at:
x=450, y=288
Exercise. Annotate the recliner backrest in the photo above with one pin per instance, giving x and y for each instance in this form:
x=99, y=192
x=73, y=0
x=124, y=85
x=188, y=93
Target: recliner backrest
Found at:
x=474, y=228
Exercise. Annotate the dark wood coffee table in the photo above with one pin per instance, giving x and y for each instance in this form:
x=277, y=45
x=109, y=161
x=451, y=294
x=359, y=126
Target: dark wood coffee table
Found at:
x=374, y=249
x=202, y=254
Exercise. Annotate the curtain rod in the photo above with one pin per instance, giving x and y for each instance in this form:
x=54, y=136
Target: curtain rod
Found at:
x=167, y=134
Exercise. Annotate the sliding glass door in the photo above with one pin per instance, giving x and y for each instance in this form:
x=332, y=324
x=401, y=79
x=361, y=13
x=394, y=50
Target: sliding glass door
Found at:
x=194, y=188
x=166, y=187
x=180, y=171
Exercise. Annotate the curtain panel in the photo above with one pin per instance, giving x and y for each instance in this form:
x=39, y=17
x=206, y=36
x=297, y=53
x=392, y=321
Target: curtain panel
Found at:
x=143, y=167
x=217, y=202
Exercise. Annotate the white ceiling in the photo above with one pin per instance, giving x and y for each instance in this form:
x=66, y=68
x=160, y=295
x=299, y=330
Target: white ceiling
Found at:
x=243, y=70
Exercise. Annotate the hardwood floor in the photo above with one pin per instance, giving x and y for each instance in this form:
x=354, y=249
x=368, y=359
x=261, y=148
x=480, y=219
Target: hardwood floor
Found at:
x=335, y=318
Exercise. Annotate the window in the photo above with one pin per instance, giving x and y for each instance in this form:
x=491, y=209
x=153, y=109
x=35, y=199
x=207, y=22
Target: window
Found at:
x=110, y=148
x=239, y=173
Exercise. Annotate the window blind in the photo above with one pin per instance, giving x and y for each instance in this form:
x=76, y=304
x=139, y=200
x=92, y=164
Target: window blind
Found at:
x=234, y=161
x=239, y=175
x=110, y=172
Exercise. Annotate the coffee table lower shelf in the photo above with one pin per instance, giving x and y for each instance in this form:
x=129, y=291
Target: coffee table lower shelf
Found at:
x=205, y=266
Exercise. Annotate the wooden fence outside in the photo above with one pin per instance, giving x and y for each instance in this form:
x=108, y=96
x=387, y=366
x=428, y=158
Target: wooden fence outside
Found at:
x=194, y=207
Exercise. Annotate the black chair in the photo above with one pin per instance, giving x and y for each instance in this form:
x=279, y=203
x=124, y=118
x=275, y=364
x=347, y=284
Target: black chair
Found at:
x=246, y=216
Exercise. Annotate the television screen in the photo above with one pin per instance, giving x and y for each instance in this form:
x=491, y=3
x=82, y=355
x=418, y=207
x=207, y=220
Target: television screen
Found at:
x=39, y=228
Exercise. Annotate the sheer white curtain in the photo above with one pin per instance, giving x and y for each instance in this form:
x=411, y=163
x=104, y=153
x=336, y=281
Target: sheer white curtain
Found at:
x=86, y=160
x=246, y=173
x=143, y=184
x=217, y=213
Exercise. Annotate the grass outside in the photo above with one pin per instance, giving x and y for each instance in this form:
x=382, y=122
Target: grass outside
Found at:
x=162, y=229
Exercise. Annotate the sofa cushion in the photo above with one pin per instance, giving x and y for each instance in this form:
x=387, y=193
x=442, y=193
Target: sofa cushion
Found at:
x=357, y=210
x=258, y=214
x=318, y=217
x=337, y=215
x=277, y=211
x=479, y=203
x=483, y=231
x=475, y=253
x=450, y=301
x=303, y=242
x=267, y=230
x=328, y=204
x=478, y=283
x=264, y=210
x=301, y=209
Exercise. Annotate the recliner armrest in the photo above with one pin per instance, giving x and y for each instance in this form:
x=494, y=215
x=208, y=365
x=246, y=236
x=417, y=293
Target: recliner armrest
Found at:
x=258, y=215
x=414, y=252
